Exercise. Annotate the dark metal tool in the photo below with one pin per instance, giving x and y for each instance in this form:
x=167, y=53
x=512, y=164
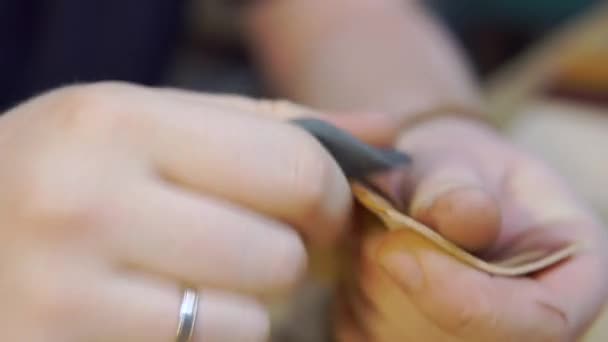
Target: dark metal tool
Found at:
x=357, y=159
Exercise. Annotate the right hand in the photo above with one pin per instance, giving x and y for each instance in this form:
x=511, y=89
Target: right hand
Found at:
x=114, y=196
x=484, y=194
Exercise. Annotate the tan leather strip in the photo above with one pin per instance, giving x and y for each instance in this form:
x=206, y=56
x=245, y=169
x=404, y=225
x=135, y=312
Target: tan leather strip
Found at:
x=519, y=264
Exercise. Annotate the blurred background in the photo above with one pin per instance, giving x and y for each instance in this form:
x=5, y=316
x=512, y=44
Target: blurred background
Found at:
x=543, y=64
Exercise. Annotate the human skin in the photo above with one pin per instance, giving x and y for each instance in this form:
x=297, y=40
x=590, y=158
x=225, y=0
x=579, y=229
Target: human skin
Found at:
x=467, y=181
x=115, y=196
x=408, y=291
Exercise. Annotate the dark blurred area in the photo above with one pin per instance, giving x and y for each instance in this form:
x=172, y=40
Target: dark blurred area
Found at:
x=45, y=44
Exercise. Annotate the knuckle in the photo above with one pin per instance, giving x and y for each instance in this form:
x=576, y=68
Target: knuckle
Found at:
x=57, y=209
x=86, y=98
x=92, y=108
x=282, y=109
x=41, y=201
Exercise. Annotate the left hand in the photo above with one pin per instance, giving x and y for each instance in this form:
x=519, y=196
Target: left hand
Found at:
x=480, y=192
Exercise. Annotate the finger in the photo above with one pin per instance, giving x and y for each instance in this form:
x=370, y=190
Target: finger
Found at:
x=378, y=129
x=396, y=317
x=453, y=179
x=203, y=241
x=466, y=303
x=263, y=164
x=452, y=198
x=277, y=109
x=135, y=309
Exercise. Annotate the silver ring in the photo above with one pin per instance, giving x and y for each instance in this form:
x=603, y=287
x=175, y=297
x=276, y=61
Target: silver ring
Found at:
x=187, y=315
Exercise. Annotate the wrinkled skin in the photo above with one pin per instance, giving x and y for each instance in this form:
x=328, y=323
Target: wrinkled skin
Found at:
x=480, y=192
x=115, y=196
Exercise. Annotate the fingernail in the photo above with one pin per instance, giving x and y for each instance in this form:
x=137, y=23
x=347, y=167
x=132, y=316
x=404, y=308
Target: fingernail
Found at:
x=427, y=197
x=442, y=181
x=403, y=267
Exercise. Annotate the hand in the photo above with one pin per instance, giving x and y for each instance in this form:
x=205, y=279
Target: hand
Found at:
x=482, y=193
x=115, y=196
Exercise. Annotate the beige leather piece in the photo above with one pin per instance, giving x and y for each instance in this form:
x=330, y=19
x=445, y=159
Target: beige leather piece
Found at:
x=514, y=262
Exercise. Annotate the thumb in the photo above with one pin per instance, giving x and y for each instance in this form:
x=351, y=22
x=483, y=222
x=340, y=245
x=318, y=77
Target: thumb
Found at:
x=449, y=194
x=451, y=197
x=464, y=302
